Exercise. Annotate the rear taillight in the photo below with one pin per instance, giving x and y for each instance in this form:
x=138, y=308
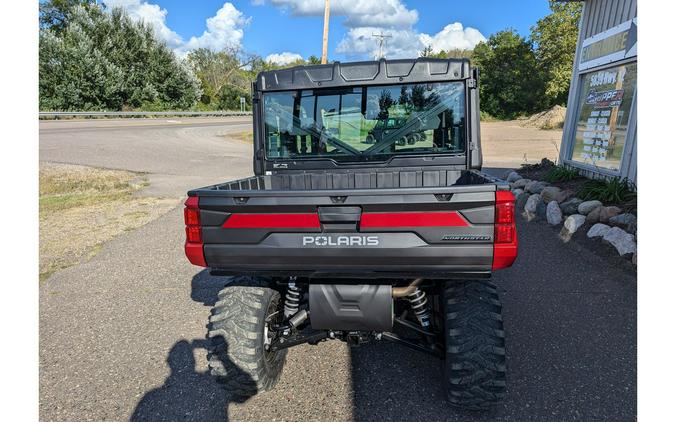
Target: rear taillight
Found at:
x=505, y=238
x=194, y=246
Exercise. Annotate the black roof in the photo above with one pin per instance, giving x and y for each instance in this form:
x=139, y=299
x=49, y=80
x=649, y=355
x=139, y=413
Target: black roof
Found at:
x=380, y=72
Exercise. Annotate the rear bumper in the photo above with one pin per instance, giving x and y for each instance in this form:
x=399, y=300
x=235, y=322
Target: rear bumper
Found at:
x=437, y=261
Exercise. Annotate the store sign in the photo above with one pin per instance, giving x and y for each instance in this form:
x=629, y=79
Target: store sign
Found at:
x=615, y=44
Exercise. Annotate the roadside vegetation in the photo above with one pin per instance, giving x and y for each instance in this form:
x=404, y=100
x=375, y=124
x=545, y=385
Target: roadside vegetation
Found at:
x=94, y=58
x=82, y=207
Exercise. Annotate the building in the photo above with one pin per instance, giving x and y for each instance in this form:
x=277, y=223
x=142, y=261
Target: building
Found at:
x=600, y=131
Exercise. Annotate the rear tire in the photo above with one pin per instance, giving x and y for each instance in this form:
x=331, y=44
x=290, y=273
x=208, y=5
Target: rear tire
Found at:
x=475, y=360
x=236, y=332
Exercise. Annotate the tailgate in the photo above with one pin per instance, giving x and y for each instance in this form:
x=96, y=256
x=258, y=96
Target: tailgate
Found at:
x=432, y=232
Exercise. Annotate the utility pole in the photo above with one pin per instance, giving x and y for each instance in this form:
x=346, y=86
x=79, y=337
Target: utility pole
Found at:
x=326, y=19
x=382, y=40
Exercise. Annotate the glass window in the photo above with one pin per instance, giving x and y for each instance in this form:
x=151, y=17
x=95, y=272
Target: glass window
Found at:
x=602, y=117
x=365, y=123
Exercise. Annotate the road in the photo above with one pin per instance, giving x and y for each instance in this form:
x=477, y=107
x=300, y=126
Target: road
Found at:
x=121, y=336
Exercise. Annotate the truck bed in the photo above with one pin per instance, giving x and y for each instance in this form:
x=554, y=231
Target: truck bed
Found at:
x=364, y=224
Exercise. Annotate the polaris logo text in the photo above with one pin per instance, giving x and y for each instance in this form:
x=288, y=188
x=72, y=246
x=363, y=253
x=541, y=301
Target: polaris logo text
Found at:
x=340, y=241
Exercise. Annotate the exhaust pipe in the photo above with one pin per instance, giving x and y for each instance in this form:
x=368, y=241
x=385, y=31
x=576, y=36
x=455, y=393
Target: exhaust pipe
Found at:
x=408, y=290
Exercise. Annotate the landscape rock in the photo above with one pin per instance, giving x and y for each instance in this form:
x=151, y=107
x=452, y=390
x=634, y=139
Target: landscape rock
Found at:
x=530, y=207
x=588, y=206
x=571, y=206
x=626, y=221
x=574, y=222
x=622, y=241
x=549, y=193
x=598, y=230
x=506, y=173
x=571, y=225
x=602, y=214
x=521, y=200
x=535, y=186
x=521, y=183
x=553, y=213
x=563, y=196
x=634, y=259
x=517, y=193
x=513, y=176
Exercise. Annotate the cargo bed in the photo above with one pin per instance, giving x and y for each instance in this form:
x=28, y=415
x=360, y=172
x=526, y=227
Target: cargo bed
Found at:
x=365, y=224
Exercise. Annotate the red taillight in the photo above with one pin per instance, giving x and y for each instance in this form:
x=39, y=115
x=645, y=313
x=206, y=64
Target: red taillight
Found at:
x=191, y=216
x=505, y=238
x=194, y=247
x=193, y=234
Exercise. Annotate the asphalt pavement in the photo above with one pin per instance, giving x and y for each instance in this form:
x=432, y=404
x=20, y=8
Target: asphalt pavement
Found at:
x=122, y=336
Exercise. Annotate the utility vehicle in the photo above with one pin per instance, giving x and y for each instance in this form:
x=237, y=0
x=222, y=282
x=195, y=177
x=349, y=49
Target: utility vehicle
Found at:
x=336, y=237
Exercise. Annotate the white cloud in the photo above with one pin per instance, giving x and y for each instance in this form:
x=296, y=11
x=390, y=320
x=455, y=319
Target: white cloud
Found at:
x=357, y=13
x=152, y=14
x=453, y=36
x=283, y=58
x=224, y=30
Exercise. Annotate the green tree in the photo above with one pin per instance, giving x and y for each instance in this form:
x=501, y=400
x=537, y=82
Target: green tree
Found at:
x=55, y=14
x=510, y=81
x=555, y=38
x=313, y=60
x=106, y=61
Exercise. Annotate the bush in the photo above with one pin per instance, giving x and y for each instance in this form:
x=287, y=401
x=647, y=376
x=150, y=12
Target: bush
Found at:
x=562, y=174
x=613, y=191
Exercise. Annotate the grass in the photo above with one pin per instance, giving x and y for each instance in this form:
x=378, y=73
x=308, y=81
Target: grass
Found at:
x=242, y=136
x=83, y=207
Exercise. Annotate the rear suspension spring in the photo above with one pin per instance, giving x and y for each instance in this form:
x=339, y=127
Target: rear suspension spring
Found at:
x=418, y=303
x=293, y=297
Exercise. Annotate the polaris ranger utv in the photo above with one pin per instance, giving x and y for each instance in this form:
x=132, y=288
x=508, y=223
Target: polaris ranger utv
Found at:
x=342, y=236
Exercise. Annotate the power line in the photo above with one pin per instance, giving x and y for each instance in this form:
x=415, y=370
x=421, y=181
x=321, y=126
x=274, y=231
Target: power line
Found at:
x=382, y=40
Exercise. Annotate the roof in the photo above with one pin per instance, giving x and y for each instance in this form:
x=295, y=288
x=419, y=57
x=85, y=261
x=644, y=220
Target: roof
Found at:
x=380, y=72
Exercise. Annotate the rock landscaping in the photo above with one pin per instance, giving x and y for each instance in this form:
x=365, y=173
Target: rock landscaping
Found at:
x=544, y=201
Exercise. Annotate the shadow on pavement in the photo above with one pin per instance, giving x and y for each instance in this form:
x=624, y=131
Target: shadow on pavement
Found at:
x=205, y=287
x=186, y=393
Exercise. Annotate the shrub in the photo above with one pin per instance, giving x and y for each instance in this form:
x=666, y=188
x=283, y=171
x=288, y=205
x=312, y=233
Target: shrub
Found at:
x=562, y=174
x=613, y=191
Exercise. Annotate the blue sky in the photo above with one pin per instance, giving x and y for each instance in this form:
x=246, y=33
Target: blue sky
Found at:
x=287, y=29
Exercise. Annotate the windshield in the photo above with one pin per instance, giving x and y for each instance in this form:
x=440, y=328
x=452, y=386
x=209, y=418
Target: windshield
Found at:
x=365, y=123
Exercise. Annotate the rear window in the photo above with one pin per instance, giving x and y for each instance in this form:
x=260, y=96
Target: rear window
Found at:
x=365, y=123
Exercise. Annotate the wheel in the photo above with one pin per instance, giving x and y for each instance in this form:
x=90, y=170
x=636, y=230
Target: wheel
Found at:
x=475, y=365
x=237, y=333
x=370, y=139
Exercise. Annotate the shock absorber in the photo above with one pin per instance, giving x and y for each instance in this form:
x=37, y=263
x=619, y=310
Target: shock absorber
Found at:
x=418, y=303
x=293, y=297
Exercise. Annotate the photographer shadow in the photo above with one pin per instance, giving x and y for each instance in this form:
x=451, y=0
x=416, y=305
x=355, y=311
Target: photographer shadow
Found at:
x=188, y=394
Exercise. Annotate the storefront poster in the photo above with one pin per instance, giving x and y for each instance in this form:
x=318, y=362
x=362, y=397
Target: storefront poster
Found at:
x=602, y=119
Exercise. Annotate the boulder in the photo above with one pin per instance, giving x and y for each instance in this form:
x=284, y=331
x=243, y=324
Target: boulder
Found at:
x=521, y=200
x=634, y=259
x=563, y=196
x=571, y=225
x=513, y=176
x=530, y=207
x=549, y=193
x=521, y=183
x=588, y=206
x=553, y=213
x=626, y=221
x=598, y=230
x=571, y=206
x=574, y=221
x=517, y=193
x=622, y=241
x=535, y=186
x=602, y=214
x=506, y=173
